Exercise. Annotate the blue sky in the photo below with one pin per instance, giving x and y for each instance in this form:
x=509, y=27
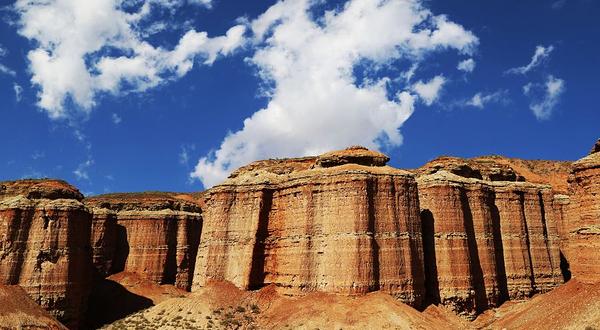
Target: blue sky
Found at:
x=171, y=95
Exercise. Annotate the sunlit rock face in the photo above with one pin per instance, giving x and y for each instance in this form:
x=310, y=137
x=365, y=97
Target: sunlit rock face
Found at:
x=488, y=234
x=45, y=245
x=153, y=234
x=582, y=223
x=342, y=222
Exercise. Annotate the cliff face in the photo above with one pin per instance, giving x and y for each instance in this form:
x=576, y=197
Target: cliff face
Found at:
x=340, y=223
x=154, y=235
x=466, y=233
x=44, y=245
x=582, y=226
x=488, y=235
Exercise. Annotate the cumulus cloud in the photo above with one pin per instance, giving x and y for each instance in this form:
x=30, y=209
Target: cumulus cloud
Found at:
x=479, y=100
x=544, y=97
x=467, y=65
x=315, y=102
x=430, y=90
x=541, y=54
x=18, y=91
x=85, y=48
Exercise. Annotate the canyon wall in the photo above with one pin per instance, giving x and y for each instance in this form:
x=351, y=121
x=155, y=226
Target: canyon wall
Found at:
x=582, y=224
x=342, y=223
x=489, y=235
x=465, y=233
x=45, y=245
x=155, y=235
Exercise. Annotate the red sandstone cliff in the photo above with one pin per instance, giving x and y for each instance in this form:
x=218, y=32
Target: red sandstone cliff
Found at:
x=342, y=223
x=489, y=235
x=581, y=225
x=44, y=245
x=466, y=233
x=154, y=235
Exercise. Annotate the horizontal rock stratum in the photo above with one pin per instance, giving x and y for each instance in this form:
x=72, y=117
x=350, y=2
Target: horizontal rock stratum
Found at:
x=468, y=234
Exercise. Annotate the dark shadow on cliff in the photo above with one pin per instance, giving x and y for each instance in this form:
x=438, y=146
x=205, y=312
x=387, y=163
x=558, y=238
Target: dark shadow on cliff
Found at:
x=121, y=250
x=481, y=303
x=564, y=268
x=432, y=285
x=110, y=301
x=170, y=267
x=257, y=270
x=499, y=253
x=530, y=274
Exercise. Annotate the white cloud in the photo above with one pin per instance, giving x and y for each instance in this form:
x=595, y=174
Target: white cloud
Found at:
x=205, y=3
x=479, y=100
x=467, y=65
x=315, y=102
x=6, y=70
x=544, y=96
x=116, y=119
x=86, y=48
x=430, y=90
x=81, y=171
x=540, y=55
x=408, y=74
x=18, y=91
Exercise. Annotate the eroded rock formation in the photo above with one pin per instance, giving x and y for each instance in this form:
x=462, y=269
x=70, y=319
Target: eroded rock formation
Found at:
x=44, y=245
x=488, y=235
x=582, y=225
x=341, y=223
x=155, y=235
x=466, y=233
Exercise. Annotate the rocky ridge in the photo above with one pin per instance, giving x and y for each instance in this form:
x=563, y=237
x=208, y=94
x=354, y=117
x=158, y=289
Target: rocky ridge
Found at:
x=467, y=234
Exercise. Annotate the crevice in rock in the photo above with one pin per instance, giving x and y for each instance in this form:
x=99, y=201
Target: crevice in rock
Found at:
x=257, y=270
x=432, y=285
x=170, y=267
x=194, y=235
x=499, y=252
x=545, y=233
x=121, y=250
x=481, y=303
x=371, y=228
x=527, y=242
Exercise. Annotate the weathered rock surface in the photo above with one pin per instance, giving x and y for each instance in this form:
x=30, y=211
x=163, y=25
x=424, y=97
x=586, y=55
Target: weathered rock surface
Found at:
x=44, y=245
x=20, y=312
x=488, y=235
x=582, y=226
x=155, y=235
x=315, y=224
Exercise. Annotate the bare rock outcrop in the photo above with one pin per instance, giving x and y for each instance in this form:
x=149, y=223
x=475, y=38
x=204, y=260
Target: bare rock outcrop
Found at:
x=44, y=245
x=342, y=223
x=582, y=224
x=154, y=235
x=488, y=235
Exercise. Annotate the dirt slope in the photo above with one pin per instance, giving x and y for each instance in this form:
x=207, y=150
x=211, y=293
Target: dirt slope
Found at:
x=18, y=311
